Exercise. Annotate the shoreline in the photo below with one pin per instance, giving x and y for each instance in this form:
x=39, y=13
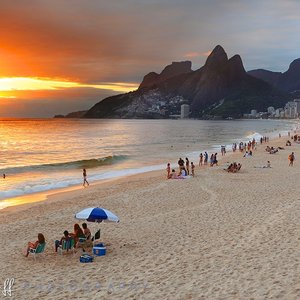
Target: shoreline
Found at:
x=52, y=186
x=45, y=195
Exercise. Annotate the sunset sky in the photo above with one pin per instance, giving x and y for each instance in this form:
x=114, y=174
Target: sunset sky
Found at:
x=61, y=56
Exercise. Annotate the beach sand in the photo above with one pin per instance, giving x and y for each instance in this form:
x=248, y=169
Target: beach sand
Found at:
x=216, y=236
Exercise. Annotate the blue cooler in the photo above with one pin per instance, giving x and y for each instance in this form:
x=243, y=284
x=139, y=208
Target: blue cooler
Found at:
x=99, y=249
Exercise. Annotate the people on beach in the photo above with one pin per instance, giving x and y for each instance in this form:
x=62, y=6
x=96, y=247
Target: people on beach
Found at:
x=291, y=159
x=168, y=170
x=4, y=176
x=66, y=237
x=84, y=177
x=233, y=167
x=223, y=150
x=33, y=245
x=213, y=160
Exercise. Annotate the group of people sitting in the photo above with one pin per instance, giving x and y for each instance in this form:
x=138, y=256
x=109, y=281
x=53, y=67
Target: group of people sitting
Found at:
x=82, y=237
x=288, y=143
x=234, y=167
x=271, y=150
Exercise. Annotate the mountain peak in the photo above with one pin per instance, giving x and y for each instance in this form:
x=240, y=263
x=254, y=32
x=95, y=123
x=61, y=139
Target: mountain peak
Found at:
x=176, y=68
x=294, y=66
x=217, y=57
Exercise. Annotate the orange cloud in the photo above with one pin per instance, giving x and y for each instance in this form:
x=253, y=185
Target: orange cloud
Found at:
x=197, y=54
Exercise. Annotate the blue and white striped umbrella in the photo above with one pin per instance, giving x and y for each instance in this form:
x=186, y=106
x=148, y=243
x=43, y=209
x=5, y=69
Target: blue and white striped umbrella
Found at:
x=96, y=214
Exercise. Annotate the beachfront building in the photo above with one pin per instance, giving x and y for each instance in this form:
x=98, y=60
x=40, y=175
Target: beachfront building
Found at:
x=297, y=108
x=292, y=109
x=253, y=113
x=271, y=110
x=278, y=113
x=185, y=111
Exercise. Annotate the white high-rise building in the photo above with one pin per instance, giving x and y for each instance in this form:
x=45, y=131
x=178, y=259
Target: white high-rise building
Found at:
x=185, y=111
x=271, y=110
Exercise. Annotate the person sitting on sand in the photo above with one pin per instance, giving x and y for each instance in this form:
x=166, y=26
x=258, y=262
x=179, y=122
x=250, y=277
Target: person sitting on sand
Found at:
x=234, y=167
x=66, y=237
x=33, y=245
x=183, y=172
x=288, y=143
x=78, y=233
x=268, y=164
x=173, y=174
x=86, y=231
x=230, y=168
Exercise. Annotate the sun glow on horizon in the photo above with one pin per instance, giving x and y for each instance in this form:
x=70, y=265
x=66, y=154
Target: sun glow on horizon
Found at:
x=10, y=84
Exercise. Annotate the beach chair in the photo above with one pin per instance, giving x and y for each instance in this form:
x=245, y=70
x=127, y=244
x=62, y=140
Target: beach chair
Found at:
x=38, y=251
x=67, y=246
x=96, y=236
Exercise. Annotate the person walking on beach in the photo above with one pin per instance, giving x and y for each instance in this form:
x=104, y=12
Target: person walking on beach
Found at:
x=205, y=157
x=84, y=177
x=291, y=159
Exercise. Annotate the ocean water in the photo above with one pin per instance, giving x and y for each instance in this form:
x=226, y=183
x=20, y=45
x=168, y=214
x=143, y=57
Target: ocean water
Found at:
x=44, y=154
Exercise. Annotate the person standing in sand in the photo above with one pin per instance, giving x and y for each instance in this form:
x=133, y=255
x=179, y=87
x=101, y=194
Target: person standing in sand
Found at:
x=193, y=169
x=168, y=171
x=291, y=159
x=200, y=159
x=187, y=166
x=84, y=177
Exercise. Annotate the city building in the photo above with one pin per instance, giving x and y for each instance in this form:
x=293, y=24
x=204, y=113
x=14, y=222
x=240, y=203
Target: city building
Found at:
x=185, y=111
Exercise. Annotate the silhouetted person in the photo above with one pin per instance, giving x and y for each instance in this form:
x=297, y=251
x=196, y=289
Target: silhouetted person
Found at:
x=84, y=178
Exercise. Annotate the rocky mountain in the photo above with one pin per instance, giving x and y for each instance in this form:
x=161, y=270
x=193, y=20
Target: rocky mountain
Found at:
x=220, y=88
x=288, y=81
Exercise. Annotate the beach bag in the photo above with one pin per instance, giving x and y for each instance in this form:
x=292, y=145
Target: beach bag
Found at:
x=86, y=258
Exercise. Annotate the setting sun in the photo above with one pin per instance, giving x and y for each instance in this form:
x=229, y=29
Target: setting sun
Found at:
x=10, y=84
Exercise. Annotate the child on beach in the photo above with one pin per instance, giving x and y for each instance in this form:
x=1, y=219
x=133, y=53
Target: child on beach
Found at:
x=193, y=169
x=168, y=171
x=66, y=237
